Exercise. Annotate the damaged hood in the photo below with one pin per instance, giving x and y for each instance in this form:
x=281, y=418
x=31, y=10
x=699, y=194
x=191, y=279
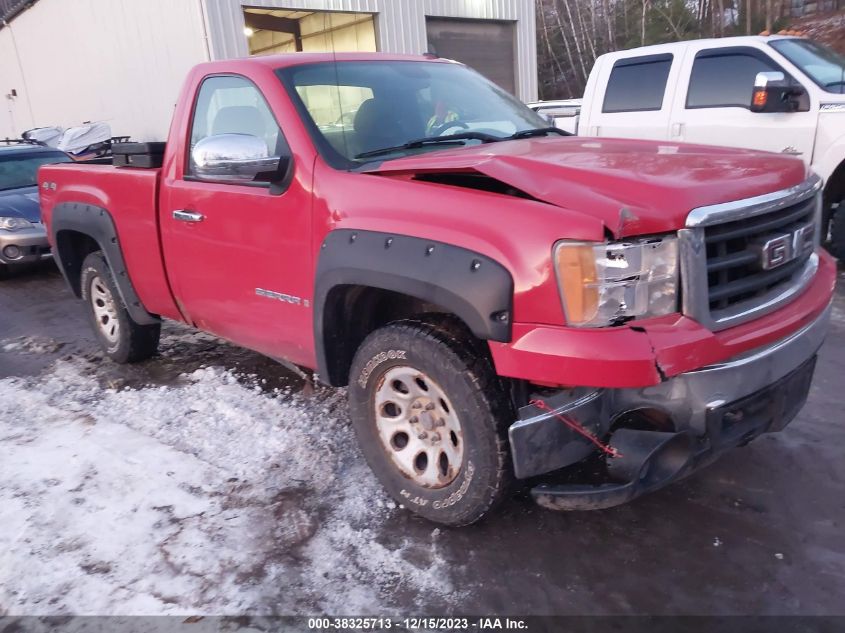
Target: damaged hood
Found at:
x=634, y=187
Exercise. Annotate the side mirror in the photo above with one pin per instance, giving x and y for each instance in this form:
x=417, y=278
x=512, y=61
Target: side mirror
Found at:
x=238, y=158
x=775, y=92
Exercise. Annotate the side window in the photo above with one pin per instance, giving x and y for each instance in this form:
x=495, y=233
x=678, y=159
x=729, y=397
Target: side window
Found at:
x=724, y=80
x=229, y=104
x=637, y=84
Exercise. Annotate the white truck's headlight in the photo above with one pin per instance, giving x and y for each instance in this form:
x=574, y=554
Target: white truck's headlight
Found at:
x=13, y=224
x=607, y=283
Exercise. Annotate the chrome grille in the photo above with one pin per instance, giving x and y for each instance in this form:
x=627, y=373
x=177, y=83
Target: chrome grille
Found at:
x=742, y=259
x=736, y=253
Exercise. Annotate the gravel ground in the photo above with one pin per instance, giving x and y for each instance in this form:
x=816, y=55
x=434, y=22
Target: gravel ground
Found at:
x=212, y=480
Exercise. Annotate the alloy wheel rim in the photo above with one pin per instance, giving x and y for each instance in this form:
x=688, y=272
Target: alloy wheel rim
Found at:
x=418, y=427
x=105, y=310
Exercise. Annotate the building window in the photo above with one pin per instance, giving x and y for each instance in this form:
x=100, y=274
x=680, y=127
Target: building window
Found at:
x=274, y=31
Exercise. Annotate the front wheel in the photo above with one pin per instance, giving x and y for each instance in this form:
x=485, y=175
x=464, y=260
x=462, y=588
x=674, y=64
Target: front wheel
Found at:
x=122, y=339
x=430, y=416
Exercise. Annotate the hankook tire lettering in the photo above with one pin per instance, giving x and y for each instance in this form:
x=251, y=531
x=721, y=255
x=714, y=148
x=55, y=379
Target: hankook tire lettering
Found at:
x=377, y=360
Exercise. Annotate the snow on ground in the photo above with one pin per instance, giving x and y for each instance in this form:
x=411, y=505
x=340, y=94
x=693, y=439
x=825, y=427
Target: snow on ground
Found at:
x=209, y=495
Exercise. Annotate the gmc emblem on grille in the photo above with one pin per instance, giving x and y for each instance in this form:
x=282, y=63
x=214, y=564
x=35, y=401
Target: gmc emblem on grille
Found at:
x=777, y=250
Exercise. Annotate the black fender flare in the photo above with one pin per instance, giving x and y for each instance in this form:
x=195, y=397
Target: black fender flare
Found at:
x=96, y=223
x=474, y=287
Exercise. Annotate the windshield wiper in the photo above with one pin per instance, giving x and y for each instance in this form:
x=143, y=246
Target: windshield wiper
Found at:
x=540, y=131
x=434, y=140
x=461, y=137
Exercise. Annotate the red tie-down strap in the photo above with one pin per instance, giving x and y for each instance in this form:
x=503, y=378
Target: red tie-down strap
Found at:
x=575, y=426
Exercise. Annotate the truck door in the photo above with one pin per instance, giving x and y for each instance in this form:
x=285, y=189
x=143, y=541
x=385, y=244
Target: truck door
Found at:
x=238, y=251
x=633, y=98
x=714, y=106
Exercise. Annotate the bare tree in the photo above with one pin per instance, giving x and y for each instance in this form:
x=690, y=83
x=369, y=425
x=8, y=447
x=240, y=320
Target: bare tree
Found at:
x=574, y=32
x=575, y=38
x=645, y=10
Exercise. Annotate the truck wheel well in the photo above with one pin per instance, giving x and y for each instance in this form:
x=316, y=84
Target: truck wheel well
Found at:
x=72, y=247
x=834, y=190
x=352, y=312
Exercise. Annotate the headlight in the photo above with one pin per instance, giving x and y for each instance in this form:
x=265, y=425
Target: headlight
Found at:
x=13, y=224
x=609, y=283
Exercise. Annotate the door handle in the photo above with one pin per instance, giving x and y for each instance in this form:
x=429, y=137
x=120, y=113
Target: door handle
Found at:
x=677, y=130
x=187, y=216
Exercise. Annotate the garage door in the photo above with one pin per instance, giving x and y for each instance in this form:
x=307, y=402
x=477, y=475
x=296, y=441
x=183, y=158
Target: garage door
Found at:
x=486, y=46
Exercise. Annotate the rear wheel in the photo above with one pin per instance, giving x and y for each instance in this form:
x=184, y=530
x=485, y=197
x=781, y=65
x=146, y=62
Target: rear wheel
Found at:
x=430, y=416
x=122, y=339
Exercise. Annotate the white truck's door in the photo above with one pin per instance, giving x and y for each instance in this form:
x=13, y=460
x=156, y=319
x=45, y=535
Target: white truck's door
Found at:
x=711, y=104
x=631, y=96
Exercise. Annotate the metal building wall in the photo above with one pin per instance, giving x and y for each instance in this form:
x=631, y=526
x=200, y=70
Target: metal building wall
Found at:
x=400, y=25
x=119, y=61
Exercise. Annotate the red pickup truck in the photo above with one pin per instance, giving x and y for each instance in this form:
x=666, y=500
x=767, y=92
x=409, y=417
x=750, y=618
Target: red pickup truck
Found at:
x=500, y=300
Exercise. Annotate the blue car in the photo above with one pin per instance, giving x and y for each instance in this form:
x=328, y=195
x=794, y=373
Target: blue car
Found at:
x=23, y=238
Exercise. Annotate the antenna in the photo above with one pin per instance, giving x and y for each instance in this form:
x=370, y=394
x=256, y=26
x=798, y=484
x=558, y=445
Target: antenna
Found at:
x=337, y=83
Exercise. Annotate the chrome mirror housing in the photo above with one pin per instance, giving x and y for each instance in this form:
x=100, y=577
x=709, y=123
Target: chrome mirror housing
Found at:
x=232, y=158
x=764, y=79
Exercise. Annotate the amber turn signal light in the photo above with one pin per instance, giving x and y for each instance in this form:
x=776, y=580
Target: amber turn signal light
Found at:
x=576, y=272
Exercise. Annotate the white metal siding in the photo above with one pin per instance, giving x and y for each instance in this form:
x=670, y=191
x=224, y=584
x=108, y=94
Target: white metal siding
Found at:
x=400, y=26
x=119, y=61
x=123, y=61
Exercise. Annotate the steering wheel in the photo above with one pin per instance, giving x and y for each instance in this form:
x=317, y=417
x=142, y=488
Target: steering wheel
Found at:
x=439, y=130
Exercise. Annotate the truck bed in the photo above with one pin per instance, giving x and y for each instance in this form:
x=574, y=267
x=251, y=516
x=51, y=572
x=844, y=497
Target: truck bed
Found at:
x=130, y=196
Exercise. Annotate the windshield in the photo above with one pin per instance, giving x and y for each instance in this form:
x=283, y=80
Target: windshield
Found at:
x=819, y=63
x=356, y=108
x=21, y=169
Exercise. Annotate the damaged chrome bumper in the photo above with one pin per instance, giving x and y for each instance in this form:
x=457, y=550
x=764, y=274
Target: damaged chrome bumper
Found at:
x=708, y=410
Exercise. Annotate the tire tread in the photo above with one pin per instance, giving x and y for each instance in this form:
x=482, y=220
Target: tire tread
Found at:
x=443, y=330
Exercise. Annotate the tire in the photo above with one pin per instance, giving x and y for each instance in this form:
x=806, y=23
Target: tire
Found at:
x=122, y=340
x=4, y=271
x=458, y=410
x=836, y=246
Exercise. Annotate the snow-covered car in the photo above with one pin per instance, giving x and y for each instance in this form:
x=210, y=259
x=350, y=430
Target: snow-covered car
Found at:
x=22, y=235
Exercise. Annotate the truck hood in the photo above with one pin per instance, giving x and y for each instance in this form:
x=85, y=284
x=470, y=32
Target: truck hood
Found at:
x=20, y=203
x=634, y=187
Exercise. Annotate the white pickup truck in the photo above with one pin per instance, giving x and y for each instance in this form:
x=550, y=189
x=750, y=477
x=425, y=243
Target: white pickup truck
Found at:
x=776, y=93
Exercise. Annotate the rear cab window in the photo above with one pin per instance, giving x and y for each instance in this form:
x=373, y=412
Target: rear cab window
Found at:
x=637, y=84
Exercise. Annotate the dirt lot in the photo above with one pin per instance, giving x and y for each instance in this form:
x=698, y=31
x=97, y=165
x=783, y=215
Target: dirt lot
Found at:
x=207, y=480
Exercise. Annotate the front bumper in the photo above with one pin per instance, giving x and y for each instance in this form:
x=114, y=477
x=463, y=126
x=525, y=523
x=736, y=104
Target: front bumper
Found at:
x=31, y=245
x=715, y=407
